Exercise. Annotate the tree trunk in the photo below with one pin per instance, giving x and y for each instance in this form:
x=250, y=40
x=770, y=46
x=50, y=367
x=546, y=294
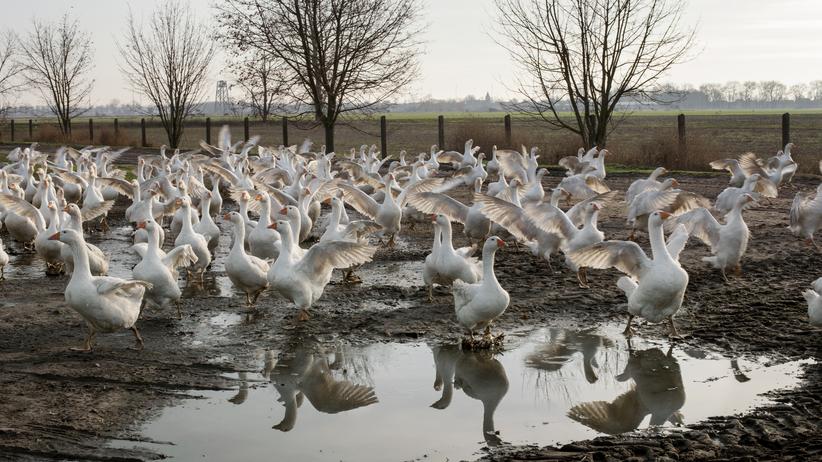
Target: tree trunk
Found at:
x=329, y=136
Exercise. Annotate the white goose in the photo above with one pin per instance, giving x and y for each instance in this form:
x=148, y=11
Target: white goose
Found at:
x=644, y=184
x=655, y=286
x=263, y=242
x=478, y=305
x=22, y=220
x=754, y=185
x=732, y=166
x=814, y=298
x=353, y=231
x=806, y=215
x=160, y=268
x=107, y=304
x=303, y=279
x=247, y=272
x=728, y=242
x=206, y=226
x=49, y=250
x=475, y=224
x=197, y=241
x=98, y=262
x=449, y=264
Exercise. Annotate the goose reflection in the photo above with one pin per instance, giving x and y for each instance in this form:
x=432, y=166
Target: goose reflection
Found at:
x=658, y=391
x=479, y=375
x=309, y=373
x=563, y=345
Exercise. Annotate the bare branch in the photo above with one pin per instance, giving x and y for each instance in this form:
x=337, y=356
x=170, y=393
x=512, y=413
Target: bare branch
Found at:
x=167, y=60
x=56, y=59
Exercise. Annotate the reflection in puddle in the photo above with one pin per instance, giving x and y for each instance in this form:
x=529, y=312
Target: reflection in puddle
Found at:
x=340, y=402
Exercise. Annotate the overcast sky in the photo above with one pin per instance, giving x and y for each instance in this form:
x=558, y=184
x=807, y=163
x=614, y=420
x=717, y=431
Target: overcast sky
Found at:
x=739, y=40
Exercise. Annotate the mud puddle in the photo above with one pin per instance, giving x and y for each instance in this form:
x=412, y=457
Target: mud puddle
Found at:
x=415, y=401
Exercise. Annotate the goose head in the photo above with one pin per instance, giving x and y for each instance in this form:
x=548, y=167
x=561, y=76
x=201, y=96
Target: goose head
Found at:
x=656, y=218
x=493, y=243
x=66, y=236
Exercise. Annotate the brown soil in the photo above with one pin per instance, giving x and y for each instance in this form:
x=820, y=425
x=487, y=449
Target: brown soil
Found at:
x=59, y=404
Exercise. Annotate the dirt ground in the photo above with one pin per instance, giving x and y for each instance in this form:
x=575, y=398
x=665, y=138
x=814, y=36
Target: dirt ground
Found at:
x=59, y=404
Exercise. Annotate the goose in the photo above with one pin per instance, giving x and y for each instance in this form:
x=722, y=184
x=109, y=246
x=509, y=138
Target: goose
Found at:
x=466, y=159
x=814, y=298
x=492, y=166
x=475, y=225
x=563, y=348
x=247, y=272
x=534, y=191
x=49, y=250
x=787, y=164
x=206, y=226
x=197, y=241
x=477, y=305
x=23, y=221
x=599, y=164
x=728, y=242
x=353, y=231
x=673, y=201
x=806, y=215
x=573, y=238
x=98, y=261
x=753, y=185
x=732, y=166
x=751, y=164
x=263, y=242
x=303, y=279
x=644, y=184
x=449, y=264
x=583, y=186
x=388, y=214
x=160, y=269
x=445, y=364
x=4, y=257
x=216, y=206
x=655, y=286
x=472, y=173
x=579, y=163
x=107, y=304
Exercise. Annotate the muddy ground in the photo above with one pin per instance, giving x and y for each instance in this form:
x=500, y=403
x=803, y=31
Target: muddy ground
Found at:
x=59, y=404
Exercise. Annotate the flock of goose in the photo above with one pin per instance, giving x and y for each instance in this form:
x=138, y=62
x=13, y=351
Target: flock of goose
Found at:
x=282, y=240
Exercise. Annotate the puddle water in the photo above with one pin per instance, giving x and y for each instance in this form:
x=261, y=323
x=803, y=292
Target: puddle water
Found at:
x=413, y=401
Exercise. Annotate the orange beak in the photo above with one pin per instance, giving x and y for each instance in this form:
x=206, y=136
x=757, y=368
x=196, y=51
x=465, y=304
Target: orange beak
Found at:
x=273, y=225
x=675, y=184
x=258, y=197
x=327, y=200
x=66, y=208
x=284, y=211
x=433, y=218
x=595, y=206
x=54, y=237
x=141, y=225
x=664, y=215
x=226, y=216
x=500, y=243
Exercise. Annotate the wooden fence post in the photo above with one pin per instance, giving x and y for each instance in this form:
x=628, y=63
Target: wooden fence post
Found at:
x=441, y=132
x=680, y=132
x=31, y=130
x=245, y=128
x=786, y=129
x=285, y=130
x=507, y=121
x=90, y=131
x=383, y=137
x=116, y=129
x=12, y=130
x=208, y=130
x=143, y=132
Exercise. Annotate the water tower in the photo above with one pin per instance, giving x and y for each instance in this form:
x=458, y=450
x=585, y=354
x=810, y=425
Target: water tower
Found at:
x=222, y=103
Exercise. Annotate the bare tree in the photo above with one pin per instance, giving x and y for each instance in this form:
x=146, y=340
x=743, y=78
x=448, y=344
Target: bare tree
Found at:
x=799, y=91
x=337, y=56
x=10, y=69
x=587, y=55
x=749, y=91
x=56, y=59
x=258, y=79
x=167, y=60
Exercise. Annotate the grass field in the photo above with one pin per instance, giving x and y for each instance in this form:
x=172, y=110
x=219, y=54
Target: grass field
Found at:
x=641, y=139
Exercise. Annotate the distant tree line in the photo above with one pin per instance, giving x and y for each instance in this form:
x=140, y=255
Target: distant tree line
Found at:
x=744, y=95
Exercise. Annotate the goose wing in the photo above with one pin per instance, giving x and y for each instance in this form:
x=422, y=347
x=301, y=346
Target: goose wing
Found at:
x=438, y=203
x=625, y=256
x=324, y=256
x=507, y=215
